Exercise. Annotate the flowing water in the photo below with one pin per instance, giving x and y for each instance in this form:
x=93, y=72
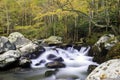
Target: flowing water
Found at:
x=76, y=62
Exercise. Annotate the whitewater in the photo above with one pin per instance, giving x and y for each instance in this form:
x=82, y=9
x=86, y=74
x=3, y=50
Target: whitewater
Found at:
x=76, y=63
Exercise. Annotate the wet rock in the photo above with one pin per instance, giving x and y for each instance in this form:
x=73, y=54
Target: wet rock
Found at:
x=5, y=45
x=51, y=56
x=53, y=40
x=42, y=61
x=91, y=68
x=9, y=57
x=54, y=58
x=18, y=39
x=49, y=73
x=59, y=59
x=106, y=71
x=55, y=64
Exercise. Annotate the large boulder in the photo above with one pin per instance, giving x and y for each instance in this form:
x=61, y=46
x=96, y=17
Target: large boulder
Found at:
x=100, y=49
x=16, y=50
x=28, y=48
x=53, y=40
x=18, y=39
x=109, y=40
x=8, y=58
x=35, y=54
x=28, y=52
x=5, y=44
x=109, y=70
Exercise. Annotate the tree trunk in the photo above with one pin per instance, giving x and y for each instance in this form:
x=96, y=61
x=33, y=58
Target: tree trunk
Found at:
x=91, y=13
x=118, y=18
x=7, y=18
x=107, y=19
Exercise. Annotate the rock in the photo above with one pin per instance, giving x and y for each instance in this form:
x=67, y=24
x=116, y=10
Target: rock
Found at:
x=51, y=56
x=28, y=48
x=91, y=68
x=35, y=53
x=5, y=45
x=59, y=59
x=101, y=47
x=30, y=51
x=114, y=52
x=108, y=41
x=24, y=62
x=53, y=40
x=13, y=36
x=18, y=39
x=99, y=59
x=54, y=58
x=13, y=66
x=41, y=62
x=109, y=70
x=9, y=57
x=55, y=64
x=49, y=73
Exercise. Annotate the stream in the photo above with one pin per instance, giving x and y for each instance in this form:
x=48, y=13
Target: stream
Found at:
x=76, y=65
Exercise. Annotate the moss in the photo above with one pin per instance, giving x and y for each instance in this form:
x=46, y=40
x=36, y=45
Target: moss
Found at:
x=93, y=38
x=114, y=52
x=118, y=37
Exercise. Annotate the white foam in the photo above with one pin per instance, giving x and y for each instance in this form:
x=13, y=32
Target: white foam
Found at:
x=76, y=61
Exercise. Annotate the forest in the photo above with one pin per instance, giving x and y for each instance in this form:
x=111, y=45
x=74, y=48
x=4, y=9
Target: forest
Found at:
x=69, y=19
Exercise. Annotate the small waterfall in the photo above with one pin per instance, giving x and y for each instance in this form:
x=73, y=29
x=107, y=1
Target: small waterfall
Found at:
x=76, y=62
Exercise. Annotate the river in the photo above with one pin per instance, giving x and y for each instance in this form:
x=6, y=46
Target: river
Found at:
x=76, y=62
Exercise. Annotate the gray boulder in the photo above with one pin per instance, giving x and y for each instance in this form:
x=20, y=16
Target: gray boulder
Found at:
x=100, y=49
x=109, y=70
x=5, y=44
x=109, y=40
x=18, y=39
x=8, y=57
x=28, y=48
x=13, y=36
x=53, y=40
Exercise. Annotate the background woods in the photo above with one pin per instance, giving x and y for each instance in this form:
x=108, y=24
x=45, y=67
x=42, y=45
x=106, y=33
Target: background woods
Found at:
x=70, y=19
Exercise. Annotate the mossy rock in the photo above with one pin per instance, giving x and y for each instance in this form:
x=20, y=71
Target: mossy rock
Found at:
x=114, y=52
